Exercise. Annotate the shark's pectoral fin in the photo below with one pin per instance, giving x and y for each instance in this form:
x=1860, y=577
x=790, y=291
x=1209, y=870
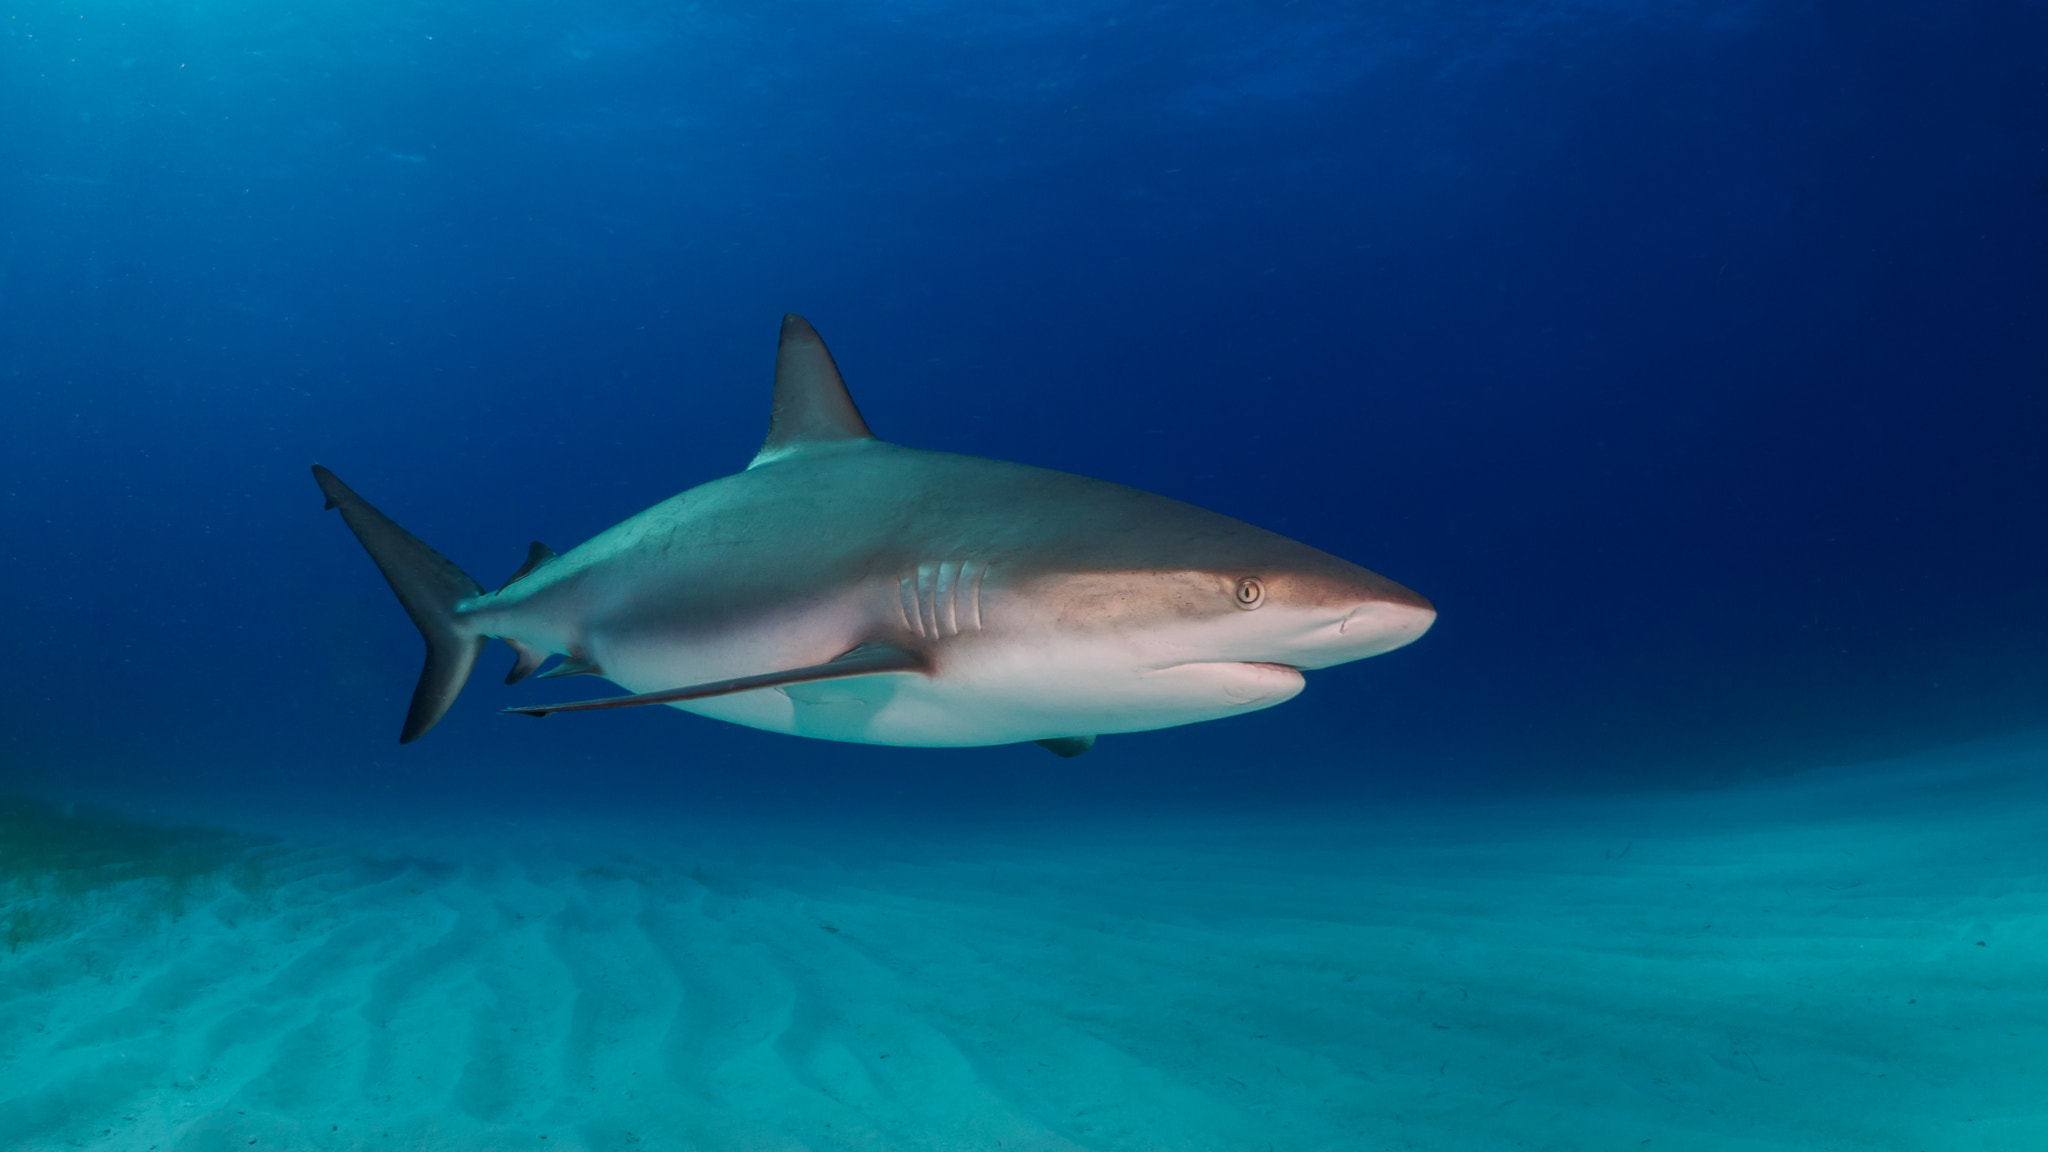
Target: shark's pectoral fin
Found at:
x=1067, y=746
x=866, y=660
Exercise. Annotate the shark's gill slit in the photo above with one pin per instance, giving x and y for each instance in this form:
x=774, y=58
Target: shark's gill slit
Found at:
x=927, y=599
x=906, y=600
x=974, y=592
x=949, y=590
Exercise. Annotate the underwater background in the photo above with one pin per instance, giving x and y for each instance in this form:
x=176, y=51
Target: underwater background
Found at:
x=1692, y=357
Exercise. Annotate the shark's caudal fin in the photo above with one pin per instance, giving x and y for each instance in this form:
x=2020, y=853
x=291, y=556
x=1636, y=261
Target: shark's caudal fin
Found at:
x=430, y=587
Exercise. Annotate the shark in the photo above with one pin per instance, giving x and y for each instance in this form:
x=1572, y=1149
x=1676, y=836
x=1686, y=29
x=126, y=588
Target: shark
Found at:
x=845, y=588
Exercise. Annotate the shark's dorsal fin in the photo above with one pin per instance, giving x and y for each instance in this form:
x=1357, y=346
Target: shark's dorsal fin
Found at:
x=811, y=402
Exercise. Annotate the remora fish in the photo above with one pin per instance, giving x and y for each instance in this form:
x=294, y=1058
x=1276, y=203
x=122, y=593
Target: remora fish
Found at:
x=850, y=589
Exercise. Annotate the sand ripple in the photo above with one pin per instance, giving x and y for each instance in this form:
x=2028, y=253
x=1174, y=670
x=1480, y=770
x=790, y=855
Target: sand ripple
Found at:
x=1792, y=965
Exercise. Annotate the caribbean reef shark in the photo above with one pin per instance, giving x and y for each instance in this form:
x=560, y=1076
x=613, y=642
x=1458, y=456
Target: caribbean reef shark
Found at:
x=850, y=589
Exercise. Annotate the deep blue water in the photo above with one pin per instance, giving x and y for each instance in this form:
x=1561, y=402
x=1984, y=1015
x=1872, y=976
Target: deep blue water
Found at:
x=1693, y=357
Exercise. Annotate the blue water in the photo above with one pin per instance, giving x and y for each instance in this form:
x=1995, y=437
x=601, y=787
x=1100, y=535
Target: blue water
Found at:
x=1692, y=357
x=1688, y=356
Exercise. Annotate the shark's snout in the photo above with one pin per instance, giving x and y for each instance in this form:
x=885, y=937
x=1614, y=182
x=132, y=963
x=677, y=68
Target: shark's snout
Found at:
x=1337, y=623
x=1382, y=625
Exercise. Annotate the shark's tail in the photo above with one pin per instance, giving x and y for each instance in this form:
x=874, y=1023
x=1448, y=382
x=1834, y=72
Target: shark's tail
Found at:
x=430, y=587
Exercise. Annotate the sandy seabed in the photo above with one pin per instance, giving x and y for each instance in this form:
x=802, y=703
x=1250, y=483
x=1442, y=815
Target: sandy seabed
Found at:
x=1854, y=958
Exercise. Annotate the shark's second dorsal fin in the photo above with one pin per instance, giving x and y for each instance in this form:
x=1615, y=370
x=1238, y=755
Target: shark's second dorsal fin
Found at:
x=537, y=554
x=811, y=402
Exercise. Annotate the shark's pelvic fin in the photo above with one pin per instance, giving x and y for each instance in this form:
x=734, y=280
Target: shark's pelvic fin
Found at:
x=537, y=554
x=811, y=402
x=529, y=659
x=573, y=665
x=1067, y=746
x=430, y=587
x=866, y=660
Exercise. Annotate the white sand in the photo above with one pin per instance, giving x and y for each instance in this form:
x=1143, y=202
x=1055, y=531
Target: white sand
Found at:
x=1792, y=964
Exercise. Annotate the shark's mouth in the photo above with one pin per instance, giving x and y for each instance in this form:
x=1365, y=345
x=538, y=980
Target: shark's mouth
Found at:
x=1261, y=665
x=1242, y=682
x=1263, y=683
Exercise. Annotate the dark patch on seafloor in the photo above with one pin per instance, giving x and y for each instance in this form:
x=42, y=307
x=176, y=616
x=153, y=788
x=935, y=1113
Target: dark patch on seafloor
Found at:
x=54, y=859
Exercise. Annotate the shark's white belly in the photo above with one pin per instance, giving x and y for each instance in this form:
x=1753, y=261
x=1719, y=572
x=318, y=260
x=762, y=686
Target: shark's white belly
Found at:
x=961, y=710
x=990, y=693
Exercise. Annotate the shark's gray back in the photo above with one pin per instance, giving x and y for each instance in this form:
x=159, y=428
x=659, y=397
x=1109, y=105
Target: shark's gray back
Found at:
x=839, y=514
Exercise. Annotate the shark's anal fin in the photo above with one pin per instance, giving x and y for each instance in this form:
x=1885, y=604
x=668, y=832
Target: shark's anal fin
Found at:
x=1067, y=746
x=573, y=665
x=537, y=554
x=812, y=405
x=529, y=659
x=866, y=660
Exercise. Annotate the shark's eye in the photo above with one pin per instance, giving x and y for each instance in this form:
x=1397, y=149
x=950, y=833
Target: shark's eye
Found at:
x=1250, y=593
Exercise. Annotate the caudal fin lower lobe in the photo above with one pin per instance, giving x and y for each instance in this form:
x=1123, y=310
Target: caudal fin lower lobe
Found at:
x=430, y=587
